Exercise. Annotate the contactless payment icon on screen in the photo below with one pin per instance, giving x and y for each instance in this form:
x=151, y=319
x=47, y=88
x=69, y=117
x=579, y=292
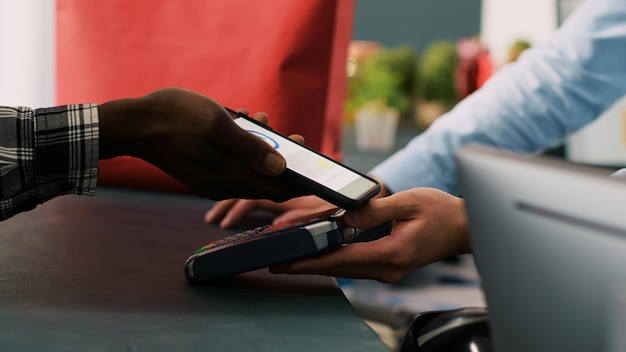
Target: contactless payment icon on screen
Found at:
x=269, y=140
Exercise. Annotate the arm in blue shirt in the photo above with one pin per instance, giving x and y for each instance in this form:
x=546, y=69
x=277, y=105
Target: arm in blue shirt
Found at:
x=528, y=106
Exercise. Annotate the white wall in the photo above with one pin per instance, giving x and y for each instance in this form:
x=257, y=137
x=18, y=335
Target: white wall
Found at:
x=27, y=65
x=505, y=21
x=603, y=142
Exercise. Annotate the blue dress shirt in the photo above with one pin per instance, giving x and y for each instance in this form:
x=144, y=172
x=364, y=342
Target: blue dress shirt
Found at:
x=530, y=105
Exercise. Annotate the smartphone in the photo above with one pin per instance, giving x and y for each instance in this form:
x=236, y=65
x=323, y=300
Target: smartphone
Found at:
x=267, y=245
x=324, y=177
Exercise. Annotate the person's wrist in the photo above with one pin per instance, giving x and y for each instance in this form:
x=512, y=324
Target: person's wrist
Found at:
x=122, y=126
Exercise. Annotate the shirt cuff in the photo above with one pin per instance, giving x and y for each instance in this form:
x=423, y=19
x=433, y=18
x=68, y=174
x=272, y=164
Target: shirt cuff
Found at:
x=66, y=150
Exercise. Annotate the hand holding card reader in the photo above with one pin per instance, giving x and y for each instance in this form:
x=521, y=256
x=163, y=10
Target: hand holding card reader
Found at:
x=308, y=236
x=269, y=245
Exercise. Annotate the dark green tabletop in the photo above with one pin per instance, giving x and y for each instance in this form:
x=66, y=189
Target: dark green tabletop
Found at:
x=105, y=273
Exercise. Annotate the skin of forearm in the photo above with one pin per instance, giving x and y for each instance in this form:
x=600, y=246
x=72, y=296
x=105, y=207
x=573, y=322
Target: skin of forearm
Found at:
x=121, y=126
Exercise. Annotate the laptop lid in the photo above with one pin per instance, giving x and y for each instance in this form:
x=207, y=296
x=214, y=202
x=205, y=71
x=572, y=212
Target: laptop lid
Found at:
x=549, y=240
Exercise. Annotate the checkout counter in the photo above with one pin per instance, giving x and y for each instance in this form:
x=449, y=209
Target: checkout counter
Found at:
x=105, y=273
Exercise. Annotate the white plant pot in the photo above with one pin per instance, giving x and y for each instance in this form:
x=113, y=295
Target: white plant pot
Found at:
x=376, y=129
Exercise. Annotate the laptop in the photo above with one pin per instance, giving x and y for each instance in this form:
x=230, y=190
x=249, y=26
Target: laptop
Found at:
x=549, y=241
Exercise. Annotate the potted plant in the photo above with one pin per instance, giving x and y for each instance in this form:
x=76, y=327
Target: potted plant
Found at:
x=378, y=93
x=435, y=82
x=402, y=61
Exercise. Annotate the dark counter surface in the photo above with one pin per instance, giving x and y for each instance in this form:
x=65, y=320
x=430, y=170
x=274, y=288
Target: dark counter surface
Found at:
x=105, y=273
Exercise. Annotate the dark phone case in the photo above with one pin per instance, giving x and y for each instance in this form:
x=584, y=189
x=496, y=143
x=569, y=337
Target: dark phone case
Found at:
x=328, y=194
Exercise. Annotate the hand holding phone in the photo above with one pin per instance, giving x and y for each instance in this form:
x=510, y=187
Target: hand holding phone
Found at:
x=322, y=176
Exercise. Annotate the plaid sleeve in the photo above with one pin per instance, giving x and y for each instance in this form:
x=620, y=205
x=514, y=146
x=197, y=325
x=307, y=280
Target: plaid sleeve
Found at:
x=45, y=153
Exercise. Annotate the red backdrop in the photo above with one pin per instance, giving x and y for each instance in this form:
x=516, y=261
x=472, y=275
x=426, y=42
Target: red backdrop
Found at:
x=283, y=57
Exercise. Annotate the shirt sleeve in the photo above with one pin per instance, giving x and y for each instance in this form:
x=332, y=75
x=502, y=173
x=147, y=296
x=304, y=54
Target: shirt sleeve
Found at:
x=45, y=153
x=530, y=105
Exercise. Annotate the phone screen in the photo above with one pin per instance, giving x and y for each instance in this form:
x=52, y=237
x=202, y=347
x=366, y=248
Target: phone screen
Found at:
x=312, y=165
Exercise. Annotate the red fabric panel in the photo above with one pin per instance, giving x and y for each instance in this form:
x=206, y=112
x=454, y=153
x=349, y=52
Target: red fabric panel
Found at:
x=284, y=57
